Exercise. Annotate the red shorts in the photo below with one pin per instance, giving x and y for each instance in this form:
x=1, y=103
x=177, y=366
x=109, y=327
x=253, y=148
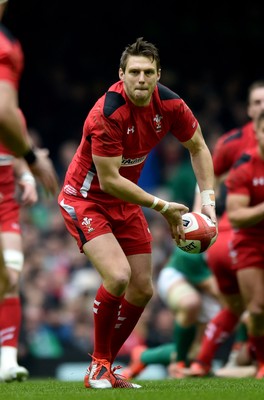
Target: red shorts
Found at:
x=86, y=220
x=247, y=252
x=219, y=261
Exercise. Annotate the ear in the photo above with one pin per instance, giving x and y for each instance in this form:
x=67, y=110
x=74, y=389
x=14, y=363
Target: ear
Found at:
x=121, y=74
x=159, y=74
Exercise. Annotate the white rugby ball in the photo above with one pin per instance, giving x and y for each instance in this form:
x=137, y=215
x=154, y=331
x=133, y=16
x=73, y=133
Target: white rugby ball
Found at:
x=200, y=233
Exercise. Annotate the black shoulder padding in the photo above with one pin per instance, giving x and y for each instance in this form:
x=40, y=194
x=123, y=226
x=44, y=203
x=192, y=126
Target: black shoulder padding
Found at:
x=233, y=136
x=112, y=102
x=166, y=94
x=242, y=160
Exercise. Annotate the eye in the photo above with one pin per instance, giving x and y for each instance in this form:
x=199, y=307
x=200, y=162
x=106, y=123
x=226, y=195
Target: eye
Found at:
x=149, y=72
x=134, y=72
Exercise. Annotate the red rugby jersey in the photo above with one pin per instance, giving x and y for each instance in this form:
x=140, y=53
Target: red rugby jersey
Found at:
x=227, y=151
x=247, y=177
x=115, y=126
x=231, y=145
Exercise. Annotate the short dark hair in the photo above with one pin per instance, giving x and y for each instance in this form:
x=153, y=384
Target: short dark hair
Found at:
x=140, y=48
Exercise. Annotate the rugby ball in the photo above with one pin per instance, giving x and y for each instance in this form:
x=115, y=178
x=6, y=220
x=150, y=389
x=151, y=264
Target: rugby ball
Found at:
x=200, y=233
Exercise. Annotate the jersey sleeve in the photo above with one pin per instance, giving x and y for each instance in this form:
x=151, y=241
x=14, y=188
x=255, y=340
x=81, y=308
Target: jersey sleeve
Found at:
x=184, y=122
x=226, y=151
x=106, y=137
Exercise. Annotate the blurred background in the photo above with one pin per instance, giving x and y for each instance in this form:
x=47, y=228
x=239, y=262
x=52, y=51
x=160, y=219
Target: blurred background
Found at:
x=209, y=56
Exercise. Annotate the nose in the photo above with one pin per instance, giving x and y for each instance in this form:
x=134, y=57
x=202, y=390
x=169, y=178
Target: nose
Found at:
x=142, y=76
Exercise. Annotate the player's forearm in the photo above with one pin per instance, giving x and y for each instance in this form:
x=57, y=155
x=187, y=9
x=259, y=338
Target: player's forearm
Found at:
x=204, y=172
x=245, y=217
x=203, y=169
x=126, y=190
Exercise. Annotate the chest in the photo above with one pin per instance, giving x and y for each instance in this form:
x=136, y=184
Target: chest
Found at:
x=142, y=131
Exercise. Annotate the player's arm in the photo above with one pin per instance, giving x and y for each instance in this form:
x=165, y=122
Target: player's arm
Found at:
x=12, y=134
x=197, y=201
x=113, y=183
x=203, y=169
x=11, y=124
x=240, y=214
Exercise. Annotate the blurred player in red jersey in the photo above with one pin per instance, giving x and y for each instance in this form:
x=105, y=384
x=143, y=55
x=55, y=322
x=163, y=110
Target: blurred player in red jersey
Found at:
x=11, y=122
x=15, y=142
x=101, y=201
x=228, y=149
x=245, y=208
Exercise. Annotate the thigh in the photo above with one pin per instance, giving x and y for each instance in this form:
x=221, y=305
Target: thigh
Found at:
x=11, y=241
x=251, y=283
x=107, y=256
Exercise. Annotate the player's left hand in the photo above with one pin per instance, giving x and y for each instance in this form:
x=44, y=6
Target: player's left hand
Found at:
x=173, y=216
x=29, y=194
x=210, y=212
x=43, y=169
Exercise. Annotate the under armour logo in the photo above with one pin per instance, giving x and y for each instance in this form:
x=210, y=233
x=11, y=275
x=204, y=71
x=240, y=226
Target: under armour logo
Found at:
x=130, y=130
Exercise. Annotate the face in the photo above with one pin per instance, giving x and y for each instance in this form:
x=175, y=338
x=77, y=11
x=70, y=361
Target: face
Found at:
x=140, y=79
x=256, y=103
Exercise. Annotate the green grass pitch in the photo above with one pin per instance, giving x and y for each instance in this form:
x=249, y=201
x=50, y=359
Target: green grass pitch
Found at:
x=181, y=389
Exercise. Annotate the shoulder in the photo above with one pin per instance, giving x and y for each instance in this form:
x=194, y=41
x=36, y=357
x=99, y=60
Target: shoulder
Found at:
x=230, y=137
x=165, y=93
x=235, y=135
x=243, y=160
x=172, y=104
x=241, y=170
x=113, y=99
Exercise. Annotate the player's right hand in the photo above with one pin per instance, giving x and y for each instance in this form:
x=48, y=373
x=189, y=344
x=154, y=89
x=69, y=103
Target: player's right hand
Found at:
x=44, y=171
x=173, y=216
